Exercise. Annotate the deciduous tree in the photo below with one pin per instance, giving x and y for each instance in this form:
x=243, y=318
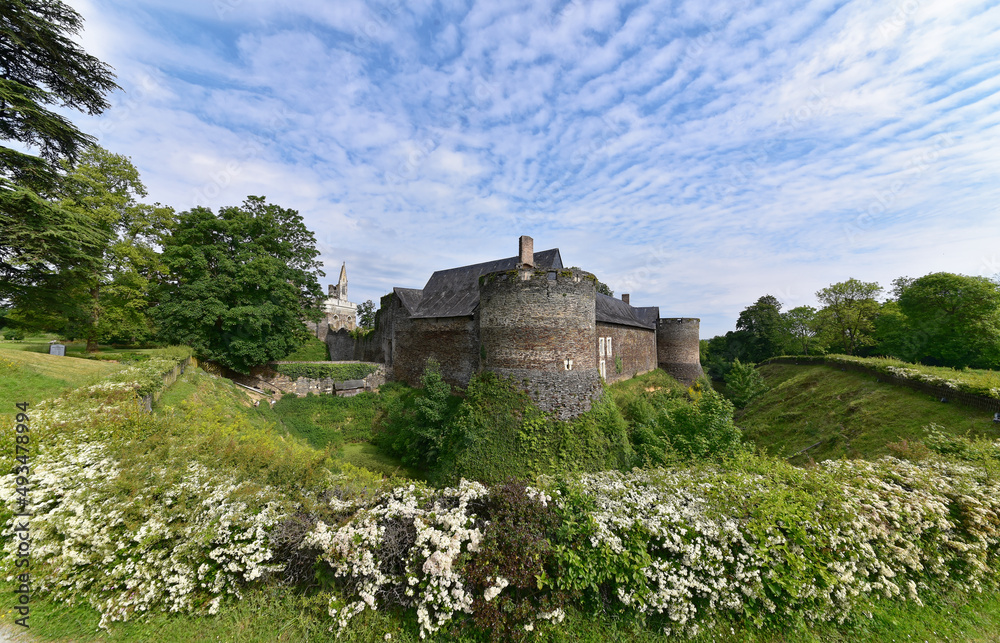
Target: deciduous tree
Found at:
x=241, y=283
x=848, y=314
x=955, y=319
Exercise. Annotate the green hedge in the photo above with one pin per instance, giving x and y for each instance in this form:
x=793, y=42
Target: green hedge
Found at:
x=338, y=372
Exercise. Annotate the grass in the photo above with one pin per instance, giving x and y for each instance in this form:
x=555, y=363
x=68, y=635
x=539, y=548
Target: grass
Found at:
x=323, y=420
x=31, y=377
x=819, y=412
x=196, y=389
x=282, y=615
x=368, y=456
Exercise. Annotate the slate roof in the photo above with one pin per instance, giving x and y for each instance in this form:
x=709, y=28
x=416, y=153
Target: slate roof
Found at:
x=647, y=314
x=616, y=311
x=455, y=292
x=410, y=297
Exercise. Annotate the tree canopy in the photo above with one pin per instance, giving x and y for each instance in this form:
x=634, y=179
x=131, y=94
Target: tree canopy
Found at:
x=41, y=68
x=240, y=283
x=848, y=315
x=952, y=319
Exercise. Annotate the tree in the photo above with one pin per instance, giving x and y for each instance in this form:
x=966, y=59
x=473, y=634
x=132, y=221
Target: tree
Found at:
x=42, y=67
x=763, y=325
x=366, y=314
x=105, y=188
x=848, y=315
x=800, y=325
x=240, y=283
x=954, y=320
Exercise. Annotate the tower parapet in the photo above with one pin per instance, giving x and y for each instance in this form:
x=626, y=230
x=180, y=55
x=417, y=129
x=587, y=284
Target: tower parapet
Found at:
x=677, y=348
x=538, y=327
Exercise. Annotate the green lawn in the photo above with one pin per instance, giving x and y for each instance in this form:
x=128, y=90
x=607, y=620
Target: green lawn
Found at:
x=821, y=412
x=278, y=614
x=32, y=377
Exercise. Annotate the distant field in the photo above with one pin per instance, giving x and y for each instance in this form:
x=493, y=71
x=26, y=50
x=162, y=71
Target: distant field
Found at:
x=821, y=412
x=32, y=377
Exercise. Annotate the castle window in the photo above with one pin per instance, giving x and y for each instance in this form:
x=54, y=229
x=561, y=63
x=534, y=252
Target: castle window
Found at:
x=607, y=344
x=568, y=363
x=600, y=346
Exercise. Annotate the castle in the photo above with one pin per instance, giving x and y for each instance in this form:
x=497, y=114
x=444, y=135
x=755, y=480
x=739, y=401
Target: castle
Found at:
x=527, y=317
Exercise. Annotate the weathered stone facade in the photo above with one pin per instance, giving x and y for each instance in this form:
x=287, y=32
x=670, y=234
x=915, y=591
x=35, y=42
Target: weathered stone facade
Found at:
x=529, y=318
x=633, y=348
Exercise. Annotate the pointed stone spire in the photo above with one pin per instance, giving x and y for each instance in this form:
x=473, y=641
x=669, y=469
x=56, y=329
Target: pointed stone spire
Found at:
x=342, y=283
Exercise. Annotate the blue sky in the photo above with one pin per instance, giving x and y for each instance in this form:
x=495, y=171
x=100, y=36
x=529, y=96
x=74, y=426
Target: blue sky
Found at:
x=696, y=155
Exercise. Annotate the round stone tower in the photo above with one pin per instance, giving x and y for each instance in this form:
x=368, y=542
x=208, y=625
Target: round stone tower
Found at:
x=677, y=348
x=539, y=328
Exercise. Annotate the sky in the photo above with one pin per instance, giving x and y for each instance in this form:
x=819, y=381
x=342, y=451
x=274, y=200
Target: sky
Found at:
x=697, y=155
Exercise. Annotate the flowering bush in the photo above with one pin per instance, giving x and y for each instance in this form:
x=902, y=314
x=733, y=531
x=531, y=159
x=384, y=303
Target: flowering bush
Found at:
x=758, y=539
x=124, y=520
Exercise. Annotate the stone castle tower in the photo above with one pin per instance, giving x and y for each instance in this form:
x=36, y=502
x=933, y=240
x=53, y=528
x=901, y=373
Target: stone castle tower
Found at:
x=526, y=317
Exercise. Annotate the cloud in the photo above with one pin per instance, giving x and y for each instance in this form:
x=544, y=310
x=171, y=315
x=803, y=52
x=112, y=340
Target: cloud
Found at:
x=699, y=154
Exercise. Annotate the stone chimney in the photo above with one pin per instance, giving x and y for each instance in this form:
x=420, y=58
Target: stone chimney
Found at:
x=526, y=245
x=625, y=297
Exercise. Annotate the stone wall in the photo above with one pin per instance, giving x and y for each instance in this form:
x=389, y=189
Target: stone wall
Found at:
x=565, y=394
x=325, y=386
x=678, y=349
x=635, y=346
x=538, y=327
x=453, y=342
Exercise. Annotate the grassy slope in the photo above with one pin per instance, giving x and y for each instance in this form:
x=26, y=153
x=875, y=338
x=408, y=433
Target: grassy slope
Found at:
x=32, y=377
x=828, y=413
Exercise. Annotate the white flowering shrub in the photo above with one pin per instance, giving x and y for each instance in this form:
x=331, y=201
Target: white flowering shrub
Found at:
x=130, y=530
x=404, y=550
x=759, y=540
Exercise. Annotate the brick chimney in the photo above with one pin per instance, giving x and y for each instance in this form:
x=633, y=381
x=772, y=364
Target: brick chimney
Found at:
x=625, y=297
x=526, y=246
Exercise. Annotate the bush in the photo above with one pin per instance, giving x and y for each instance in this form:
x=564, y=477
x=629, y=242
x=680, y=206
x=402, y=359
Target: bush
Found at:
x=417, y=427
x=744, y=383
x=311, y=350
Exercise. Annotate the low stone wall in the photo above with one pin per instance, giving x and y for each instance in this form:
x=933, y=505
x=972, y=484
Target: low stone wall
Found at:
x=325, y=386
x=168, y=378
x=980, y=402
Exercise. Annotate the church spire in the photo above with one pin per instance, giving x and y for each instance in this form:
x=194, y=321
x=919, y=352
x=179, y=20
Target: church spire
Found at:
x=342, y=283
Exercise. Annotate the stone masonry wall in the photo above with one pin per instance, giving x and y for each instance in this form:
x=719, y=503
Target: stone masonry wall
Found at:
x=565, y=395
x=326, y=386
x=538, y=327
x=537, y=320
x=453, y=342
x=677, y=348
x=635, y=346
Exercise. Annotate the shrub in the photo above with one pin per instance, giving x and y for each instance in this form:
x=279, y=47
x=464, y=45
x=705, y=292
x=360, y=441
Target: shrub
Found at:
x=417, y=427
x=744, y=383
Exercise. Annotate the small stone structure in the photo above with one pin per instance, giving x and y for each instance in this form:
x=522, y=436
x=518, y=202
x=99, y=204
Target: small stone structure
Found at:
x=527, y=317
x=57, y=349
x=327, y=386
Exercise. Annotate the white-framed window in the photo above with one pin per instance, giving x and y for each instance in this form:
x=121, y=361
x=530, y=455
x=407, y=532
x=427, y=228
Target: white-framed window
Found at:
x=602, y=369
x=600, y=347
x=607, y=346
